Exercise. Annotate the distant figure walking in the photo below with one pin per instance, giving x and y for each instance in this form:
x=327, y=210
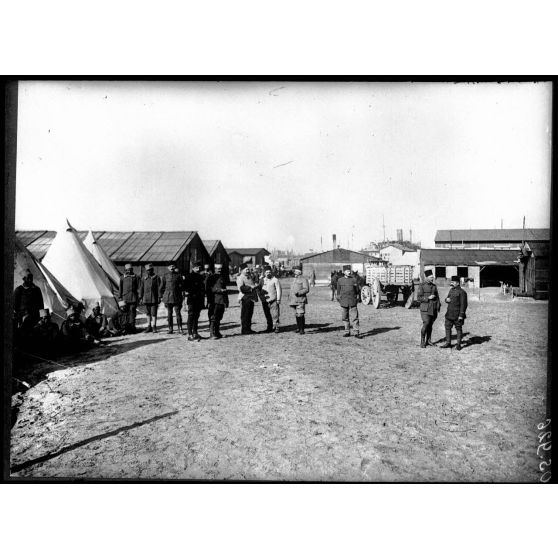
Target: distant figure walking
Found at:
x=297, y=297
x=348, y=295
x=427, y=295
x=313, y=278
x=455, y=314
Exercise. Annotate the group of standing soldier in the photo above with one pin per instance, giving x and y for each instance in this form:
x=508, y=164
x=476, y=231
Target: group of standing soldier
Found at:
x=206, y=289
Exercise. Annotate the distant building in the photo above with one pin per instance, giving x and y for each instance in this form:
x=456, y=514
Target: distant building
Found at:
x=251, y=256
x=489, y=239
x=394, y=252
x=534, y=269
x=372, y=250
x=324, y=263
x=217, y=252
x=486, y=268
x=160, y=248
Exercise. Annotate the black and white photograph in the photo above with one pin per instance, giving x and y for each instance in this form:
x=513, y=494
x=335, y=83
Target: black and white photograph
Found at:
x=280, y=280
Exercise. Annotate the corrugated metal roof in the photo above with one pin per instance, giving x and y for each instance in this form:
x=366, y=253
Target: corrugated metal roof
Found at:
x=490, y=235
x=27, y=237
x=136, y=246
x=465, y=257
x=119, y=245
x=110, y=241
x=169, y=246
x=247, y=251
x=40, y=246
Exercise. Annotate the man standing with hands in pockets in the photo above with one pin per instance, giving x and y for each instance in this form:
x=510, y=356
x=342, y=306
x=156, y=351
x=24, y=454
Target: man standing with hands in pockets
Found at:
x=455, y=314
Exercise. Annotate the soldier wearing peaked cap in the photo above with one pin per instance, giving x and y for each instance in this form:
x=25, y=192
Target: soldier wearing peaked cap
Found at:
x=218, y=300
x=427, y=295
x=348, y=294
x=455, y=314
x=129, y=293
x=150, y=285
x=194, y=288
x=170, y=294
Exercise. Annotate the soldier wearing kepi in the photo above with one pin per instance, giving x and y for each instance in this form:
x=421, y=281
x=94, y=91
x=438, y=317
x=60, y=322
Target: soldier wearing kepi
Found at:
x=297, y=297
x=455, y=314
x=218, y=300
x=150, y=286
x=170, y=294
x=129, y=293
x=195, y=291
x=427, y=295
x=270, y=295
x=347, y=295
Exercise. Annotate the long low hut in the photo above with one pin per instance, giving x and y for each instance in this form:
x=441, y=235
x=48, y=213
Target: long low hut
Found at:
x=136, y=247
x=484, y=268
x=323, y=263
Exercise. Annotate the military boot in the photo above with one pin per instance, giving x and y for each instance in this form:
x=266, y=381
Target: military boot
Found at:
x=212, y=334
x=459, y=337
x=170, y=324
x=297, y=324
x=302, y=324
x=447, y=344
x=422, y=340
x=347, y=330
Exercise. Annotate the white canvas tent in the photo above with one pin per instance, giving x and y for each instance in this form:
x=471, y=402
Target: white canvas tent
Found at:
x=55, y=297
x=102, y=259
x=76, y=268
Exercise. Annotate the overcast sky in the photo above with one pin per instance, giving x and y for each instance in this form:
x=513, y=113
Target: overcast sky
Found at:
x=283, y=165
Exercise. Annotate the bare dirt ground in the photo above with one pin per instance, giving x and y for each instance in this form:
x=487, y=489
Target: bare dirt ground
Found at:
x=317, y=407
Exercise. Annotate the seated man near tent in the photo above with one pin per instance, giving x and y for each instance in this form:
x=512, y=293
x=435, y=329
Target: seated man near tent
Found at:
x=28, y=300
x=118, y=324
x=74, y=336
x=96, y=323
x=46, y=334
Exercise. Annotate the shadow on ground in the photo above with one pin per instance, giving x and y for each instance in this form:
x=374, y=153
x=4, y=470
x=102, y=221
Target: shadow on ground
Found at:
x=20, y=466
x=378, y=330
x=33, y=369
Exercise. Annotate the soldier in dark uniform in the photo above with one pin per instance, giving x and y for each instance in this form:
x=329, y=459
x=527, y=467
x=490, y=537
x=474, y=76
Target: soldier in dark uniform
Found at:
x=206, y=274
x=217, y=295
x=45, y=334
x=455, y=314
x=28, y=300
x=129, y=293
x=171, y=295
x=348, y=295
x=118, y=323
x=427, y=295
x=149, y=295
x=96, y=323
x=333, y=284
x=195, y=291
x=74, y=335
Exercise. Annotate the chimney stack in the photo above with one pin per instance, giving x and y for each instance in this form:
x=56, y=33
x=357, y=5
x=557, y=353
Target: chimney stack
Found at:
x=334, y=241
